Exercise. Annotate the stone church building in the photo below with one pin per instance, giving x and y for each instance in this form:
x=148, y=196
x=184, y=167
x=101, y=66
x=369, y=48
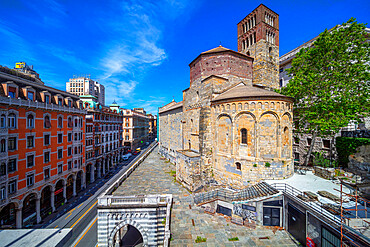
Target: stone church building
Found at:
x=232, y=129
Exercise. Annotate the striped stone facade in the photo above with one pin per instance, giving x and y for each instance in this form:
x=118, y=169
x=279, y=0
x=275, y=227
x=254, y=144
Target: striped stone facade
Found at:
x=150, y=215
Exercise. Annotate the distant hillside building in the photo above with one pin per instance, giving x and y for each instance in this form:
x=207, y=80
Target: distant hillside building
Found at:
x=85, y=86
x=229, y=130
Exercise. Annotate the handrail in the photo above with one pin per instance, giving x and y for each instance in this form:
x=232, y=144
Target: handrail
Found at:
x=318, y=209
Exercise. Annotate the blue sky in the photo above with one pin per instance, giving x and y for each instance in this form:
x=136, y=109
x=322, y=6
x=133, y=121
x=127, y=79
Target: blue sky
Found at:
x=140, y=50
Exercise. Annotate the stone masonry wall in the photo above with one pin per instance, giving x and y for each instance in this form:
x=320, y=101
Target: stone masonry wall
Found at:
x=170, y=132
x=221, y=64
x=266, y=63
x=268, y=152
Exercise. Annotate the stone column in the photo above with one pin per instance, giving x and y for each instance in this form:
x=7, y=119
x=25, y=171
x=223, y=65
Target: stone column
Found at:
x=74, y=186
x=65, y=192
x=38, y=213
x=83, y=182
x=118, y=239
x=92, y=170
x=52, y=199
x=103, y=165
x=18, y=218
x=99, y=169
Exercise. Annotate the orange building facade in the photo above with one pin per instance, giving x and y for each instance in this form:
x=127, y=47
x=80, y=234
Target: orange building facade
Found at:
x=42, y=151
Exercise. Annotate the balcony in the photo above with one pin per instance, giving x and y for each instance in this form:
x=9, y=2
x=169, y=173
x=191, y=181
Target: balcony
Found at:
x=3, y=178
x=40, y=105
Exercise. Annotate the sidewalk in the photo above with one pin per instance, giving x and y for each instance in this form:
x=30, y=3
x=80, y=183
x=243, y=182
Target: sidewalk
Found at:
x=153, y=176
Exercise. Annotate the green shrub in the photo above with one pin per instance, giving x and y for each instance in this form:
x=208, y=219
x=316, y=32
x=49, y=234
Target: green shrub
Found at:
x=267, y=164
x=234, y=239
x=200, y=239
x=255, y=165
x=346, y=146
x=320, y=159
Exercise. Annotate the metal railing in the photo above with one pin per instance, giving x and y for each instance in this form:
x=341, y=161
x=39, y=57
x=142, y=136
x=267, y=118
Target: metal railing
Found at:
x=350, y=235
x=129, y=200
x=40, y=105
x=257, y=190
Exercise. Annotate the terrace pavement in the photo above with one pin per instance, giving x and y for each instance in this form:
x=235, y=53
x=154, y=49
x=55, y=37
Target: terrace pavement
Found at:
x=153, y=176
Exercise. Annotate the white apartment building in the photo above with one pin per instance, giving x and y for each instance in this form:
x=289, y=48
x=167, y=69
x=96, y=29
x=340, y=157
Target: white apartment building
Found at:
x=86, y=86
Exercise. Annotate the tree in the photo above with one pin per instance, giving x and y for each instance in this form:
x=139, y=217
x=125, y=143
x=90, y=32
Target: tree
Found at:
x=331, y=81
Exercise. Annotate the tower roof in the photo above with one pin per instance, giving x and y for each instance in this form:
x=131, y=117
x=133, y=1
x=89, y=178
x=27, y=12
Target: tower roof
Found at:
x=217, y=49
x=220, y=49
x=243, y=91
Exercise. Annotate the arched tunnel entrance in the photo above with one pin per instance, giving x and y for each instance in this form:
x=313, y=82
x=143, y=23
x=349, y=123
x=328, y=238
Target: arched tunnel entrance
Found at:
x=128, y=236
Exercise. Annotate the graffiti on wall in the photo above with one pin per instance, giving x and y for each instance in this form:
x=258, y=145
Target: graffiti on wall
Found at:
x=246, y=212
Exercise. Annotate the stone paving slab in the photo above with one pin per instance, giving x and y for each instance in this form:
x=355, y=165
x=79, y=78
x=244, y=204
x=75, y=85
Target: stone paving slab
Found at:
x=153, y=176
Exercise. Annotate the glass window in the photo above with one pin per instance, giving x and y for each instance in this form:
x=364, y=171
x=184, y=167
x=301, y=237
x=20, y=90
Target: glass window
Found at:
x=328, y=239
x=2, y=169
x=70, y=122
x=3, y=121
x=60, y=101
x=30, y=95
x=244, y=134
x=47, y=123
x=30, y=159
x=47, y=99
x=30, y=121
x=46, y=140
x=69, y=151
x=12, y=143
x=12, y=187
x=30, y=179
x=238, y=166
x=69, y=165
x=12, y=94
x=11, y=120
x=12, y=165
x=60, y=138
x=69, y=137
x=60, y=168
x=60, y=122
x=30, y=143
x=60, y=153
x=46, y=173
x=326, y=143
x=3, y=145
x=46, y=157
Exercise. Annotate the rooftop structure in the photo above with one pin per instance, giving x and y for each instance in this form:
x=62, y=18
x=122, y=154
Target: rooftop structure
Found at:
x=84, y=85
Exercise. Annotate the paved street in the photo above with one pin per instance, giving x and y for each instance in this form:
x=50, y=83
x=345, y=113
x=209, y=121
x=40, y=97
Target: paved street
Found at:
x=80, y=213
x=153, y=176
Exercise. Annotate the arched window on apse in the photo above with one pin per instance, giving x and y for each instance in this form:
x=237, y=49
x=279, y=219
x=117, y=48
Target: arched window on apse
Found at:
x=244, y=134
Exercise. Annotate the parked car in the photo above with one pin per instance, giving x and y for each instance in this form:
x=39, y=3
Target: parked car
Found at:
x=135, y=153
x=126, y=156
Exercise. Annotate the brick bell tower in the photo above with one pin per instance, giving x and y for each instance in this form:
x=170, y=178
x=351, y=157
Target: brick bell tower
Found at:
x=258, y=37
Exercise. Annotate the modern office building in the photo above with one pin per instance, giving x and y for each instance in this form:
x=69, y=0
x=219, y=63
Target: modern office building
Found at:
x=84, y=85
